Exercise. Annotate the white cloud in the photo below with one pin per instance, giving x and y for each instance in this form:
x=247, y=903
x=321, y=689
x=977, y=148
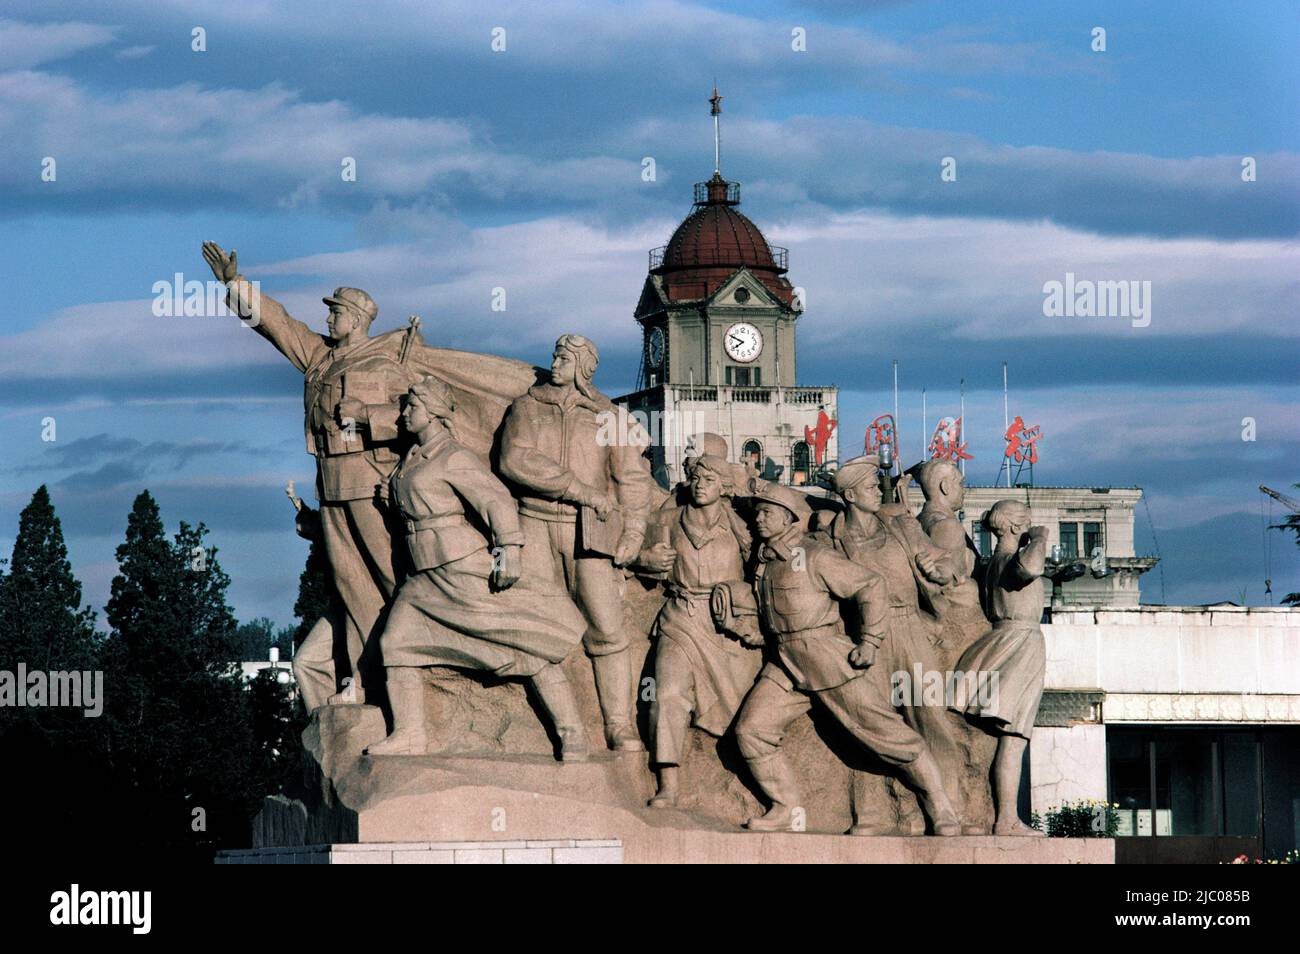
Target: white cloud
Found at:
x=24, y=45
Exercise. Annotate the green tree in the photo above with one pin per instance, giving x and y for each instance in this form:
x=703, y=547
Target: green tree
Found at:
x=41, y=619
x=56, y=750
x=316, y=594
x=182, y=725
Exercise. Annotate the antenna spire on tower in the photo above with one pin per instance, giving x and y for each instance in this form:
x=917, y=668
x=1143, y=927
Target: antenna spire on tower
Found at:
x=715, y=110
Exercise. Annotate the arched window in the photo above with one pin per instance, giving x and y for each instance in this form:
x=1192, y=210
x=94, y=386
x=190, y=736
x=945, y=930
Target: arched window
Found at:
x=752, y=452
x=799, y=457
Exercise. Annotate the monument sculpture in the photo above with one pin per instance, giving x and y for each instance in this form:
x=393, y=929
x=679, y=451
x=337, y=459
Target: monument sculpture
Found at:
x=1014, y=649
x=700, y=671
x=583, y=506
x=889, y=541
x=461, y=606
x=482, y=520
x=352, y=384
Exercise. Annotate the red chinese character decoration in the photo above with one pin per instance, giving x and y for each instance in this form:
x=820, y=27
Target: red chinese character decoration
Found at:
x=1022, y=441
x=881, y=431
x=946, y=443
x=819, y=436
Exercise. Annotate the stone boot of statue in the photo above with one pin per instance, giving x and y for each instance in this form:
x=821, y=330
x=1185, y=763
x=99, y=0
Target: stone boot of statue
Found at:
x=406, y=695
x=924, y=775
x=614, y=687
x=556, y=695
x=777, y=780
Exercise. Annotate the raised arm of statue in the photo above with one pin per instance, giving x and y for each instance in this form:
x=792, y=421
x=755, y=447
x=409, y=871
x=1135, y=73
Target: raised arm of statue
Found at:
x=293, y=339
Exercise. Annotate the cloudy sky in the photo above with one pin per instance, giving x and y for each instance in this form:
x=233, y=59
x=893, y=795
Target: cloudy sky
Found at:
x=522, y=169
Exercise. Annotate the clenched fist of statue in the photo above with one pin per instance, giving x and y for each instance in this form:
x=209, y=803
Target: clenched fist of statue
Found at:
x=933, y=572
x=351, y=409
x=659, y=558
x=863, y=655
x=629, y=545
x=508, y=567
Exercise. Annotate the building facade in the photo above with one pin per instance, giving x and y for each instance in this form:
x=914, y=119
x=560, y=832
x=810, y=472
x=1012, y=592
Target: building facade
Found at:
x=1187, y=718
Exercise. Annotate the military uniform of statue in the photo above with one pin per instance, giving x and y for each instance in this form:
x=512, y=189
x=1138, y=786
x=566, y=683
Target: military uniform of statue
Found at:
x=701, y=673
x=583, y=502
x=891, y=543
x=957, y=603
x=799, y=584
x=352, y=386
x=463, y=605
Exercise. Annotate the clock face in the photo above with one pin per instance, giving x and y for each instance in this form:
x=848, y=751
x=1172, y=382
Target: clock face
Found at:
x=743, y=342
x=656, y=348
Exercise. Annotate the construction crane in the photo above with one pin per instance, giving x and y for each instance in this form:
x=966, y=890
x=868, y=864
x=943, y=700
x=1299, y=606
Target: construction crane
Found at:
x=1289, y=502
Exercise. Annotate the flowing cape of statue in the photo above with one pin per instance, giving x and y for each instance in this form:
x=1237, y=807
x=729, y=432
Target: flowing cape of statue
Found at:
x=484, y=385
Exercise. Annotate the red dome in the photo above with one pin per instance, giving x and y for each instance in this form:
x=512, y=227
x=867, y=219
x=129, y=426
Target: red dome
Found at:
x=712, y=243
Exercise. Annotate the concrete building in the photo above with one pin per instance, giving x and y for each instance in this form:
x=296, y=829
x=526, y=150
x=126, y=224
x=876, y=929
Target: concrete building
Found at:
x=1187, y=717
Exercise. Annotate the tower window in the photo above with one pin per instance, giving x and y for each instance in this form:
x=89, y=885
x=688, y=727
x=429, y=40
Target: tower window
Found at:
x=752, y=452
x=742, y=377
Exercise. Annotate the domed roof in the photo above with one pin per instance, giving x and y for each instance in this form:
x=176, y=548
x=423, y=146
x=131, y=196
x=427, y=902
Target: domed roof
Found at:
x=712, y=243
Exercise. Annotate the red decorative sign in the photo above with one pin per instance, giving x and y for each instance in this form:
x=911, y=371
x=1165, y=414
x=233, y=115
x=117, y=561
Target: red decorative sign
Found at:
x=946, y=443
x=819, y=437
x=1022, y=441
x=881, y=431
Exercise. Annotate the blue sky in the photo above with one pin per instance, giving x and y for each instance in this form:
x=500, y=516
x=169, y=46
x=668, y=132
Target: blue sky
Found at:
x=522, y=169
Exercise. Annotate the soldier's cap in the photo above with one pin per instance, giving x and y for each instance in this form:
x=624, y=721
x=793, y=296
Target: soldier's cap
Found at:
x=714, y=445
x=355, y=299
x=853, y=472
x=764, y=491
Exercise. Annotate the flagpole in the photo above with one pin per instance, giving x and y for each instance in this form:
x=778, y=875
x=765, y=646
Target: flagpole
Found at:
x=961, y=461
x=895, y=363
x=1006, y=420
x=925, y=423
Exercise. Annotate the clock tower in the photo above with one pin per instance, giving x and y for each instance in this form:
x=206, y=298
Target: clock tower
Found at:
x=718, y=319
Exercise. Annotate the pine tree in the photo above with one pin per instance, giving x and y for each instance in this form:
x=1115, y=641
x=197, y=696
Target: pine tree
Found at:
x=43, y=625
x=317, y=596
x=182, y=723
x=41, y=620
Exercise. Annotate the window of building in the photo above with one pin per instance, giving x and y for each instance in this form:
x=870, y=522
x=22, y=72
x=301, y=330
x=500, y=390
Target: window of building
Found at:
x=742, y=377
x=758, y=377
x=985, y=541
x=1207, y=782
x=727, y=372
x=752, y=452
x=800, y=459
x=1069, y=539
x=1092, y=538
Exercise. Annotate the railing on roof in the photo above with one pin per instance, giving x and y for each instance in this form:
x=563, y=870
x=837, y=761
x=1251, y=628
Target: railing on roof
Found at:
x=702, y=193
x=710, y=257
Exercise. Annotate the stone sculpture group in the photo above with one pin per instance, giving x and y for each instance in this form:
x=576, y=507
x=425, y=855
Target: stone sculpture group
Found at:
x=477, y=519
